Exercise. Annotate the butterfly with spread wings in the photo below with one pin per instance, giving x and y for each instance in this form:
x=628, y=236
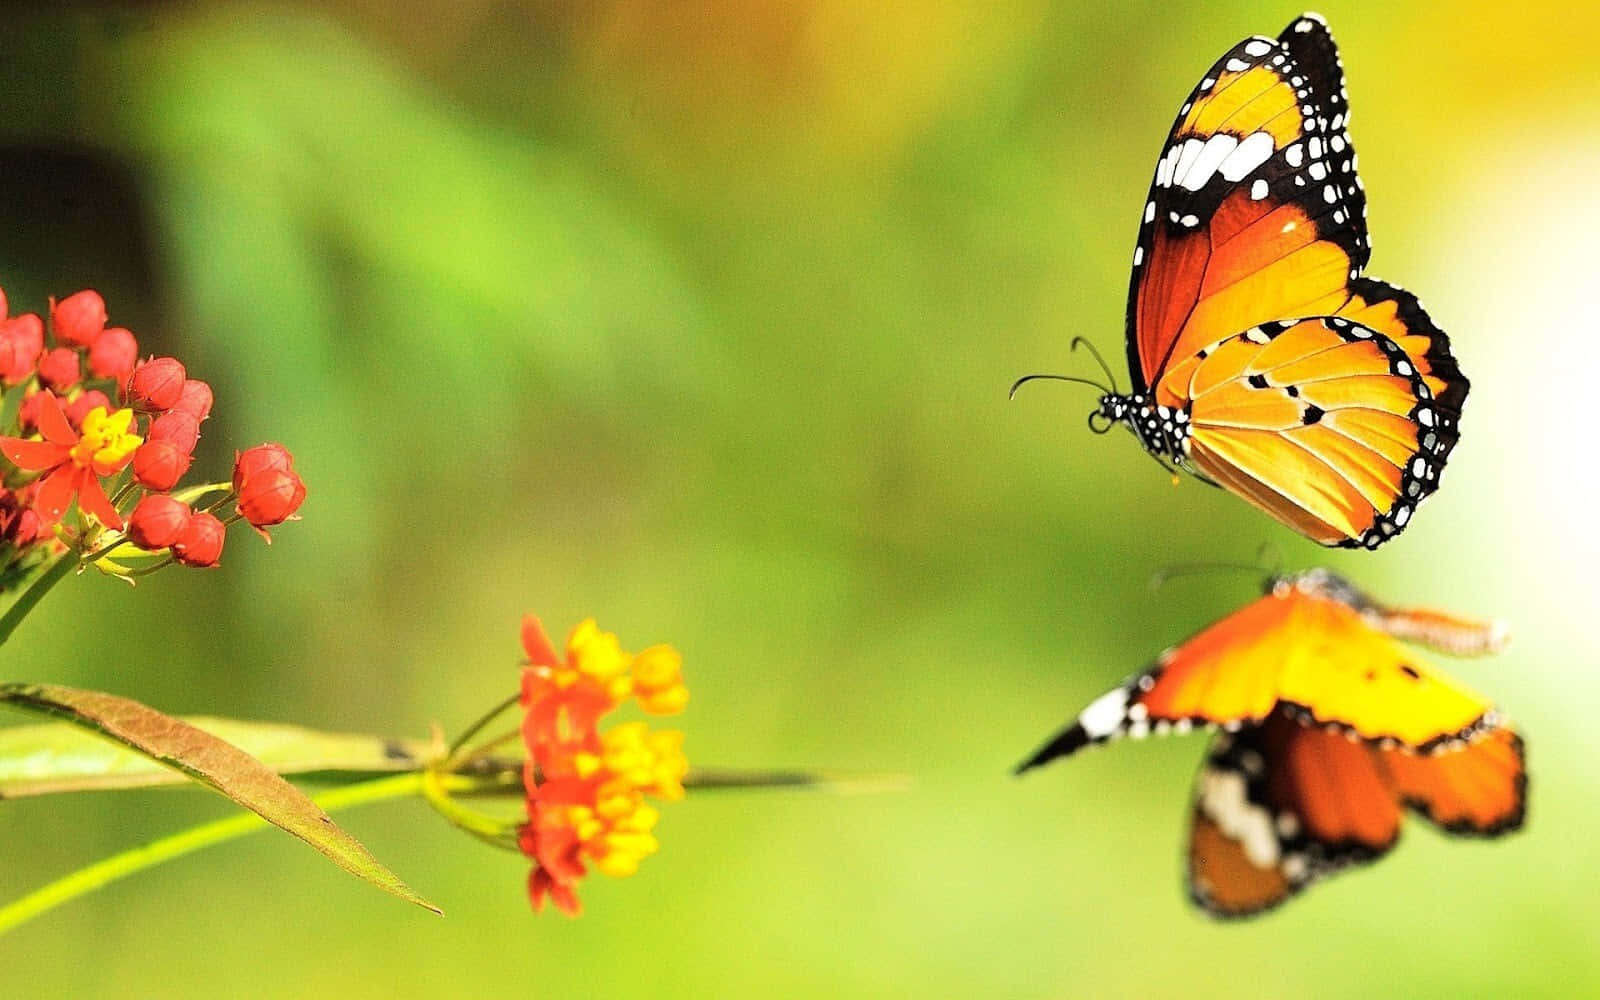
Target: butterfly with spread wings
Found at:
x=1329, y=730
x=1262, y=360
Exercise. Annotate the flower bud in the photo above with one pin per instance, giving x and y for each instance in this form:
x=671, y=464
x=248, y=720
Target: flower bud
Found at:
x=28, y=412
x=113, y=354
x=195, y=399
x=79, y=318
x=19, y=525
x=261, y=458
x=80, y=407
x=60, y=369
x=182, y=429
x=158, y=521
x=21, y=343
x=156, y=384
x=158, y=465
x=271, y=496
x=200, y=543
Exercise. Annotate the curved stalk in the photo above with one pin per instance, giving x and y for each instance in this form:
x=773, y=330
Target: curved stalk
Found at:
x=34, y=594
x=119, y=866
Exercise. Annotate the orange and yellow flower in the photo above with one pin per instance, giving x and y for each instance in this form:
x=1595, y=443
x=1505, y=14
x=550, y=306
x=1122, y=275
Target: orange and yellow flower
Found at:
x=72, y=463
x=587, y=789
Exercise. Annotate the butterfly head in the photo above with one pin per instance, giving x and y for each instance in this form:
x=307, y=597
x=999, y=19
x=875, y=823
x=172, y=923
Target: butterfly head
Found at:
x=1320, y=583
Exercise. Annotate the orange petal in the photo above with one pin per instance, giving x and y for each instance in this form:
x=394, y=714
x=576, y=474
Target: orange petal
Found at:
x=93, y=500
x=34, y=456
x=55, y=493
x=537, y=644
x=53, y=423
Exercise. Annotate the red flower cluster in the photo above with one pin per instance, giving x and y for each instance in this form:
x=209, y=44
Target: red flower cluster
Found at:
x=586, y=788
x=94, y=417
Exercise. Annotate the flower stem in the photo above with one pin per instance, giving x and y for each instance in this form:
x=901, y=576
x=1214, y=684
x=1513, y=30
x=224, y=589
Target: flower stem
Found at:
x=34, y=594
x=102, y=873
x=472, y=730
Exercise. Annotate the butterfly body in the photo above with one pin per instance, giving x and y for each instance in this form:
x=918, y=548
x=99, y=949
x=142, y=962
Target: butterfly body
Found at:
x=1327, y=399
x=1162, y=430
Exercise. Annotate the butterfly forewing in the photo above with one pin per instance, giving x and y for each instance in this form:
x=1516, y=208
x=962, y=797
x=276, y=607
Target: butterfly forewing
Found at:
x=1252, y=215
x=1297, y=648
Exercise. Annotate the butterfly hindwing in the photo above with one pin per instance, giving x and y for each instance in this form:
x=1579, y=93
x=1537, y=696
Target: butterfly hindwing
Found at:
x=1277, y=806
x=1398, y=315
x=1280, y=804
x=1255, y=212
x=1326, y=424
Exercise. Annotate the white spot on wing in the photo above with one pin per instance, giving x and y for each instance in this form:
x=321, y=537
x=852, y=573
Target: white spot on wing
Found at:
x=1216, y=149
x=1190, y=153
x=1223, y=800
x=1259, y=189
x=1105, y=714
x=1250, y=154
x=1258, y=47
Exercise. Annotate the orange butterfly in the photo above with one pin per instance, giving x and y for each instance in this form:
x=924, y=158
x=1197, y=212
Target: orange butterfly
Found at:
x=1261, y=360
x=1330, y=728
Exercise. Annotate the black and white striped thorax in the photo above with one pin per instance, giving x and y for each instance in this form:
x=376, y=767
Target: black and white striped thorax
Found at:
x=1162, y=430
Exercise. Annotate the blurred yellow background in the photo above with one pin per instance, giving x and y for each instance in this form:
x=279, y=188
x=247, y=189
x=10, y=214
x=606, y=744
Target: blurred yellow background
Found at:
x=698, y=316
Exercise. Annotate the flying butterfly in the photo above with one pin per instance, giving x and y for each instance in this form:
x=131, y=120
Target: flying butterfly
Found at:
x=1328, y=730
x=1261, y=359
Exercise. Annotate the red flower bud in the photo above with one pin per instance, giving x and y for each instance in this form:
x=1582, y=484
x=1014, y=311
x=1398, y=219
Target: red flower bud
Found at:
x=28, y=412
x=27, y=528
x=79, y=318
x=158, y=465
x=195, y=399
x=60, y=369
x=158, y=521
x=200, y=543
x=182, y=429
x=80, y=407
x=269, y=497
x=19, y=525
x=113, y=354
x=21, y=343
x=261, y=458
x=156, y=384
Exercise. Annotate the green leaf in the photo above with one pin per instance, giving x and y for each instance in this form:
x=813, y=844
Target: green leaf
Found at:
x=55, y=757
x=212, y=761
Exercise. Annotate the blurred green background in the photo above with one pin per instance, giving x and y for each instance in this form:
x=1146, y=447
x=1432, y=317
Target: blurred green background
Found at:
x=698, y=316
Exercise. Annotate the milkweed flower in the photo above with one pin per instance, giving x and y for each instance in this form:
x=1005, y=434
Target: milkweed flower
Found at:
x=89, y=409
x=587, y=788
x=72, y=462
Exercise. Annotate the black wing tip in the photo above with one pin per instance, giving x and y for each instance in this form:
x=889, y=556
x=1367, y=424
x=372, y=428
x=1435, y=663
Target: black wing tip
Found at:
x=1068, y=741
x=1316, y=22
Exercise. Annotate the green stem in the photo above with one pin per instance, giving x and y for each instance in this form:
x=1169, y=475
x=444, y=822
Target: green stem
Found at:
x=34, y=594
x=102, y=873
x=472, y=730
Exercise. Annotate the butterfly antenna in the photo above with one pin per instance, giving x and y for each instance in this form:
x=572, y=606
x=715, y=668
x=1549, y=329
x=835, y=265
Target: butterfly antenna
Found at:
x=1059, y=378
x=1110, y=376
x=1159, y=578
